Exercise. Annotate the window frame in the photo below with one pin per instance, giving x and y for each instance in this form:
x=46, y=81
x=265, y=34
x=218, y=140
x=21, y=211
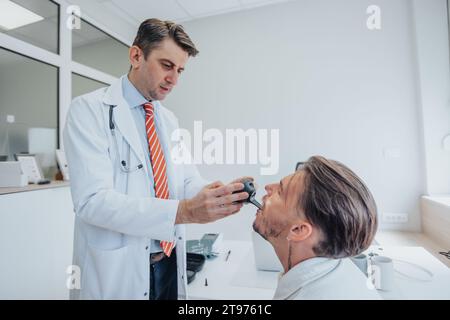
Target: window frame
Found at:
x=63, y=59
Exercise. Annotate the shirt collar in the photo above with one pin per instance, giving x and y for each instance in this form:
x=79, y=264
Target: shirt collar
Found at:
x=131, y=94
x=302, y=274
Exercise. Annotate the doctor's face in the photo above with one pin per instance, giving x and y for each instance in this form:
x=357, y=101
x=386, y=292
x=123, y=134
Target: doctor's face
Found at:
x=156, y=76
x=279, y=210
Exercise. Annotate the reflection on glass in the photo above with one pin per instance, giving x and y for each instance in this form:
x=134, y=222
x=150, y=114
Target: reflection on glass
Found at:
x=28, y=109
x=98, y=50
x=82, y=85
x=32, y=21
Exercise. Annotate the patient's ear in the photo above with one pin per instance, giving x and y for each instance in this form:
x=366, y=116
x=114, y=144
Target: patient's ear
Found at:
x=300, y=231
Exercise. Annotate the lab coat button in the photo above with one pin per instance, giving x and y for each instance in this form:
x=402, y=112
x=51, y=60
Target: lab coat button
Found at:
x=146, y=248
x=145, y=294
x=180, y=238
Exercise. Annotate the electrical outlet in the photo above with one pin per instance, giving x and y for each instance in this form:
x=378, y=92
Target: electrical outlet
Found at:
x=395, y=217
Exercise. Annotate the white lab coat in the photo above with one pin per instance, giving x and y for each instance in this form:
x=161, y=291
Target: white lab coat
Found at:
x=324, y=279
x=116, y=215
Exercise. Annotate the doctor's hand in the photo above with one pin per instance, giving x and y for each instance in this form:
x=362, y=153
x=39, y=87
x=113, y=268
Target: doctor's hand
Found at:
x=213, y=202
x=245, y=178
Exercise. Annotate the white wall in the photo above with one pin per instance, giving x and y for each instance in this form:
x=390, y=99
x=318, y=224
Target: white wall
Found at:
x=314, y=71
x=433, y=90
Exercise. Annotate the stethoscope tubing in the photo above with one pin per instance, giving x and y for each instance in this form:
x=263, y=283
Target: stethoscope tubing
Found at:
x=123, y=165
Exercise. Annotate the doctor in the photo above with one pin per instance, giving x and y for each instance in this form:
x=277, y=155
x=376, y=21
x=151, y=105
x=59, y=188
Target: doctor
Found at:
x=131, y=199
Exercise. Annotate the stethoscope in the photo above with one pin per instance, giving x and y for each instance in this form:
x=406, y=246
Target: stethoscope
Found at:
x=123, y=164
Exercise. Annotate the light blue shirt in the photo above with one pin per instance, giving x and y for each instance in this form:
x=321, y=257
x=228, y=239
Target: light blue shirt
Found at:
x=135, y=99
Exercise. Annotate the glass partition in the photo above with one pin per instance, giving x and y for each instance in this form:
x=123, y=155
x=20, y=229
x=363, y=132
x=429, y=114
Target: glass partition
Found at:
x=82, y=85
x=96, y=49
x=28, y=109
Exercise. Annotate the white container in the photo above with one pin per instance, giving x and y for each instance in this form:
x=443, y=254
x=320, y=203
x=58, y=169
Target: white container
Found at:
x=11, y=174
x=383, y=272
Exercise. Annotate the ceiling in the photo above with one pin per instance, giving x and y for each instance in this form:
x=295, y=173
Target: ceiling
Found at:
x=135, y=11
x=44, y=33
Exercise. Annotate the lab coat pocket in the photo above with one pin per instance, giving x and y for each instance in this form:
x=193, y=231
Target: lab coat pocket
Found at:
x=106, y=274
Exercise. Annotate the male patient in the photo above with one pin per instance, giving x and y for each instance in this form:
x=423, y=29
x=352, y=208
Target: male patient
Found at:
x=315, y=219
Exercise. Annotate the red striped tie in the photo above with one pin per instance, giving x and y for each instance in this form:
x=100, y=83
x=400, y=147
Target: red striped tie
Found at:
x=158, y=165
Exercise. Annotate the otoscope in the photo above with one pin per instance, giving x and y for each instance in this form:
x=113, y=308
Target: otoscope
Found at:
x=249, y=187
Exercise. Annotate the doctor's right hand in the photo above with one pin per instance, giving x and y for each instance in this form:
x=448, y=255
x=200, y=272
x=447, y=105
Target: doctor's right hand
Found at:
x=213, y=202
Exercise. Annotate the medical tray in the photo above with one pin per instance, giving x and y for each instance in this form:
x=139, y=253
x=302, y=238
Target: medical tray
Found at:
x=195, y=261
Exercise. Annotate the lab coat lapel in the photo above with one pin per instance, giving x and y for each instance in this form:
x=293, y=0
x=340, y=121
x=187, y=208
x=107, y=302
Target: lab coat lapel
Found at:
x=123, y=119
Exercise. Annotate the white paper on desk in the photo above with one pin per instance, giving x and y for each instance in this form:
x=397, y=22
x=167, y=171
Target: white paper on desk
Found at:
x=248, y=276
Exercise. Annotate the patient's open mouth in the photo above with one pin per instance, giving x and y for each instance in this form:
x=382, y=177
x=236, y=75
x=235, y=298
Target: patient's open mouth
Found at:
x=258, y=212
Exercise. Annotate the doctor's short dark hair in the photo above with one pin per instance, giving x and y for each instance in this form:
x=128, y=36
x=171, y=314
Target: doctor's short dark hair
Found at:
x=339, y=204
x=152, y=31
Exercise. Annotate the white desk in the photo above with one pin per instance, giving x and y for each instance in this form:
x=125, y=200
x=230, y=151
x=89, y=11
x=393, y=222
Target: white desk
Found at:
x=238, y=278
x=224, y=277
x=407, y=288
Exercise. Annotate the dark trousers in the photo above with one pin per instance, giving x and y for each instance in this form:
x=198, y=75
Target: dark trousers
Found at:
x=163, y=278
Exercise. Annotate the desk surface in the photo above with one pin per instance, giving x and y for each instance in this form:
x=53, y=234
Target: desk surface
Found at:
x=223, y=276
x=237, y=278
x=410, y=281
x=32, y=187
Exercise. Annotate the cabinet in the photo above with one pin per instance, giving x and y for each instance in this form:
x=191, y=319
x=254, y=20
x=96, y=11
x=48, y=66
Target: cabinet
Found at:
x=36, y=243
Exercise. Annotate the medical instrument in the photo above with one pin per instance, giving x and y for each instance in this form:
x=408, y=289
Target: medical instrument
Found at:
x=195, y=261
x=43, y=181
x=249, y=187
x=212, y=243
x=445, y=254
x=123, y=164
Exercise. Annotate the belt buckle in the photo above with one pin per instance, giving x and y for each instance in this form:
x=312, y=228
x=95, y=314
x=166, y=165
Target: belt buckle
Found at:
x=156, y=257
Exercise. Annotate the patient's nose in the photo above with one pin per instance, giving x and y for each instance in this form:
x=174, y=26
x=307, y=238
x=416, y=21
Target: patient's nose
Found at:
x=269, y=188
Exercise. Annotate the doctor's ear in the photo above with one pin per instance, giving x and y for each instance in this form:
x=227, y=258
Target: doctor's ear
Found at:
x=135, y=54
x=300, y=231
